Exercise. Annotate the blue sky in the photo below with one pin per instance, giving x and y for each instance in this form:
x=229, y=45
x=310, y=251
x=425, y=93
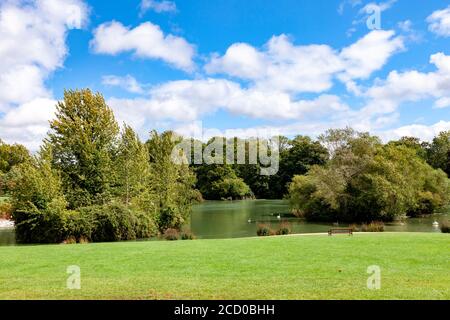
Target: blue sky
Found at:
x=286, y=66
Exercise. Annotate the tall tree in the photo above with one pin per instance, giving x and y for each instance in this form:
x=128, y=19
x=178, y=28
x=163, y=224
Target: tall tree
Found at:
x=132, y=166
x=83, y=137
x=172, y=184
x=439, y=152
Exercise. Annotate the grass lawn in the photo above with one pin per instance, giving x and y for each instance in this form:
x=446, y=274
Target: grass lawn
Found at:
x=413, y=266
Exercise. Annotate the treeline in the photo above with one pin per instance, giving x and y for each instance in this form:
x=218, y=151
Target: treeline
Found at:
x=94, y=181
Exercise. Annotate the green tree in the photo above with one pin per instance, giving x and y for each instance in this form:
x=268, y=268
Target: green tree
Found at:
x=300, y=154
x=219, y=181
x=171, y=190
x=84, y=138
x=365, y=181
x=132, y=167
x=439, y=152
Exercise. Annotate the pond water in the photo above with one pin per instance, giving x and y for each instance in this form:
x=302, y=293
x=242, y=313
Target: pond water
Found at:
x=235, y=219
x=230, y=219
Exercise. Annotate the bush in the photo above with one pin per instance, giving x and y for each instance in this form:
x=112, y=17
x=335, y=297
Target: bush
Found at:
x=376, y=226
x=171, y=234
x=187, y=235
x=445, y=226
x=264, y=230
x=285, y=229
x=113, y=222
x=5, y=210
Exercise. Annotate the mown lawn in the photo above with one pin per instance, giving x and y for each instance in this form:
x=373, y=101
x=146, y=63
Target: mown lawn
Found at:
x=413, y=266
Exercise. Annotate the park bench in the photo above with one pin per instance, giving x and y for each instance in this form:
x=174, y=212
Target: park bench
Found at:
x=340, y=231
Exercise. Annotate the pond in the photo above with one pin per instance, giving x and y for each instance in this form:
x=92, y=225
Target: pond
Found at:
x=235, y=219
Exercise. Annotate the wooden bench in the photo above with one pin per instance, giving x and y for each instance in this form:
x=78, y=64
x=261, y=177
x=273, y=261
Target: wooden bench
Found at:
x=340, y=231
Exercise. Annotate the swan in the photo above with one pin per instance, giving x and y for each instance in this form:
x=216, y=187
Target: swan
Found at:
x=435, y=224
x=278, y=216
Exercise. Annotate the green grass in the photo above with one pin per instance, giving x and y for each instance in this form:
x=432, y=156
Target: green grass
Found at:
x=413, y=266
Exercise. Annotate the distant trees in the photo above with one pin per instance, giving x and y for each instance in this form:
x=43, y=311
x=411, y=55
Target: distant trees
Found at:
x=365, y=180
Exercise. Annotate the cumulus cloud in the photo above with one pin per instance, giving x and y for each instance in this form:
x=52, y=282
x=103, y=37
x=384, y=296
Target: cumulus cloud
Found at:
x=439, y=22
x=147, y=40
x=158, y=6
x=424, y=132
x=411, y=86
x=283, y=66
x=32, y=47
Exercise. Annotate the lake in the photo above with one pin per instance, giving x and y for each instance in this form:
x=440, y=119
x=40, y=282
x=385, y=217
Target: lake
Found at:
x=230, y=219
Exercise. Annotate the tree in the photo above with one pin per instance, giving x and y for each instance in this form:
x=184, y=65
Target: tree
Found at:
x=83, y=137
x=171, y=190
x=439, y=152
x=219, y=181
x=132, y=166
x=296, y=159
x=365, y=181
x=10, y=156
x=413, y=143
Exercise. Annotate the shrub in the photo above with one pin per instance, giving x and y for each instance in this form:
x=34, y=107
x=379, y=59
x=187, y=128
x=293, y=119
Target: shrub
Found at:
x=284, y=229
x=171, y=234
x=113, y=222
x=264, y=230
x=187, y=235
x=41, y=226
x=445, y=226
x=70, y=240
x=375, y=226
x=5, y=210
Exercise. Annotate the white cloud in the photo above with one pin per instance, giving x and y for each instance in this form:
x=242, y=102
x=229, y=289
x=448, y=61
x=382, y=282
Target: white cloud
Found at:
x=283, y=66
x=32, y=47
x=28, y=123
x=411, y=86
x=146, y=41
x=158, y=6
x=369, y=54
x=424, y=132
x=439, y=22
x=127, y=83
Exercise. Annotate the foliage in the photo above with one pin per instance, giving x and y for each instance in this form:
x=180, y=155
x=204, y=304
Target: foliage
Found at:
x=114, y=222
x=132, y=167
x=375, y=226
x=83, y=138
x=171, y=188
x=171, y=234
x=187, y=235
x=439, y=152
x=264, y=230
x=219, y=181
x=365, y=181
x=285, y=228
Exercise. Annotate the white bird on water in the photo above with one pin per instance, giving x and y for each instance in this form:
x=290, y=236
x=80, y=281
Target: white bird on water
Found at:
x=249, y=221
x=278, y=216
x=435, y=224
